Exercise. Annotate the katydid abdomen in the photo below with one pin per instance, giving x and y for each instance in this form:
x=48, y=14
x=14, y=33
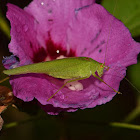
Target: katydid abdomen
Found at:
x=67, y=68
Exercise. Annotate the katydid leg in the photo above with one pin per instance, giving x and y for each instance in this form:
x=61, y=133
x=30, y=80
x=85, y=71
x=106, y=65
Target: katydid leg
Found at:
x=4, y=79
x=65, y=85
x=107, y=84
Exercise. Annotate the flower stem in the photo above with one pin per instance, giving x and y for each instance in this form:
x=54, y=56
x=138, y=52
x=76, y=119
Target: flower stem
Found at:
x=132, y=115
x=112, y=124
x=14, y=124
x=125, y=125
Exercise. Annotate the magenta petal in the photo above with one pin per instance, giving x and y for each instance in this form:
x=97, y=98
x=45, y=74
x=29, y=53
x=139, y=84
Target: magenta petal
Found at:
x=27, y=87
x=23, y=35
x=89, y=33
x=54, y=16
x=55, y=110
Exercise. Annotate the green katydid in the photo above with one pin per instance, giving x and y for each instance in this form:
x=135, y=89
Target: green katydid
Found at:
x=75, y=68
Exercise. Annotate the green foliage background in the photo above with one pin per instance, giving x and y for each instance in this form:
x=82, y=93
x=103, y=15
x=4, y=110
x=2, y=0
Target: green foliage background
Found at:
x=30, y=122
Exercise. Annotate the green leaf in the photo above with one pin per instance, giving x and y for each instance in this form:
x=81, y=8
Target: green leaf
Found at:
x=128, y=11
x=4, y=25
x=125, y=125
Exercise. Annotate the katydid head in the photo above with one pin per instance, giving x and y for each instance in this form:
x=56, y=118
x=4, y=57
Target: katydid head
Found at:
x=101, y=68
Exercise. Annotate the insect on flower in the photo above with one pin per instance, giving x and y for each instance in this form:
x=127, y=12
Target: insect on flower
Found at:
x=76, y=68
x=89, y=31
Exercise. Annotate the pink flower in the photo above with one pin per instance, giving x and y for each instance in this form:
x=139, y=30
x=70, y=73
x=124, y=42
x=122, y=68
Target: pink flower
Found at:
x=48, y=29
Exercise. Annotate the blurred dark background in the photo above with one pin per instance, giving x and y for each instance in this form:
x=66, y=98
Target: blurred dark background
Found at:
x=90, y=124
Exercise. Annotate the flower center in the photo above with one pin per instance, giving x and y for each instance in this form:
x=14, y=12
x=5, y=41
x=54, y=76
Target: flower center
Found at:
x=75, y=85
x=51, y=52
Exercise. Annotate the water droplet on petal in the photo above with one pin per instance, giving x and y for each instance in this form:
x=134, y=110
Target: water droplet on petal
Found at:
x=42, y=3
x=57, y=51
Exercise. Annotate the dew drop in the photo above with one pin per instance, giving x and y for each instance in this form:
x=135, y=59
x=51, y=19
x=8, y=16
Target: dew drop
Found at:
x=57, y=51
x=42, y=3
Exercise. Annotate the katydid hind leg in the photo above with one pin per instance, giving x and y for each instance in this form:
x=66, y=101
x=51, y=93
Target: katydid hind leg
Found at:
x=107, y=84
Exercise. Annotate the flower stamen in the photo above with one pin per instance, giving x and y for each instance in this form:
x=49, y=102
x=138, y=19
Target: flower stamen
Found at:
x=75, y=85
